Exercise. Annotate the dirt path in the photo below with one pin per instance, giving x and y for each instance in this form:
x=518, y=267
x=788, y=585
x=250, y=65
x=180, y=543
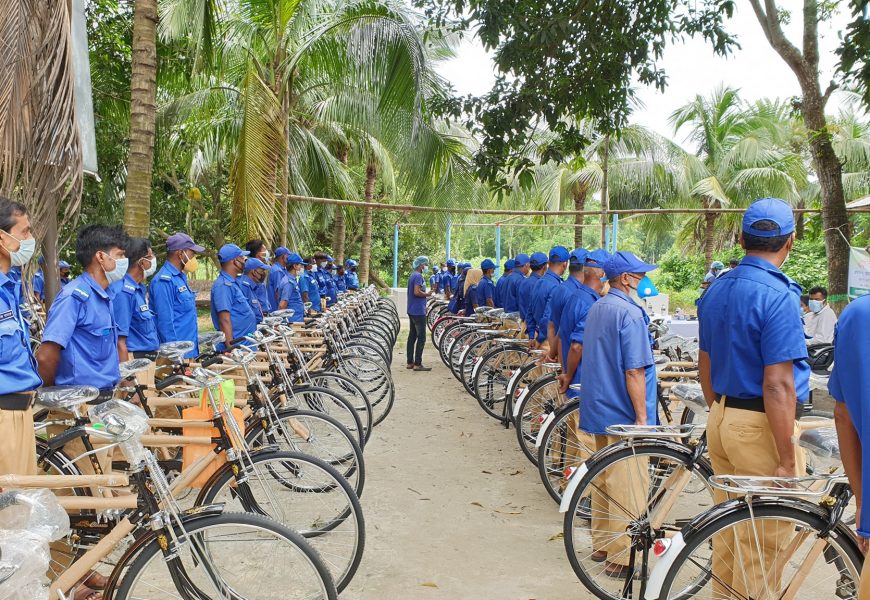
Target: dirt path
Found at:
x=453, y=509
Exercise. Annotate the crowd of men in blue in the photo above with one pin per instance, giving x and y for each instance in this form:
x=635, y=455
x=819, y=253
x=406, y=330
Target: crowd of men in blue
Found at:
x=752, y=361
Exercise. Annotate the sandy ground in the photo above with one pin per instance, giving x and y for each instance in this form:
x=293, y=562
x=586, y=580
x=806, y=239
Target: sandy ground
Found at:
x=453, y=508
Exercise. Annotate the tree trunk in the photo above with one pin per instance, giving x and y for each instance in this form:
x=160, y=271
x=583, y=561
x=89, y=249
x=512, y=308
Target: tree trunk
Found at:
x=143, y=110
x=366, y=250
x=579, y=206
x=835, y=219
x=605, y=197
x=338, y=232
x=49, y=253
x=800, y=222
x=709, y=235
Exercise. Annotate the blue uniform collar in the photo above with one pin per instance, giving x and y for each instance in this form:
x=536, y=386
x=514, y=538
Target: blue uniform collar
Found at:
x=131, y=281
x=589, y=290
x=619, y=294
x=227, y=276
x=5, y=279
x=171, y=268
x=765, y=265
x=553, y=275
x=248, y=277
x=86, y=277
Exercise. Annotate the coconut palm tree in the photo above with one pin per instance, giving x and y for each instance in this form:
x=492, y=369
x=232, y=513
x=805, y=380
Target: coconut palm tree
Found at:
x=740, y=157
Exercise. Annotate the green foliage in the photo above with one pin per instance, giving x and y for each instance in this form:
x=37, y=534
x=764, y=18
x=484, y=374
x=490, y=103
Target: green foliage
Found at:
x=807, y=263
x=678, y=271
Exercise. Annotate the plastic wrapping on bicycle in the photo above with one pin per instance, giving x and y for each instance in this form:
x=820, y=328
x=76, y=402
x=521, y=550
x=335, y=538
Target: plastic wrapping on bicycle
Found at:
x=691, y=395
x=809, y=485
x=822, y=442
x=651, y=431
x=131, y=367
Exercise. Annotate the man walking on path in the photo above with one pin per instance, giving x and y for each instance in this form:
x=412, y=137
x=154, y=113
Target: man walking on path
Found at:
x=417, y=296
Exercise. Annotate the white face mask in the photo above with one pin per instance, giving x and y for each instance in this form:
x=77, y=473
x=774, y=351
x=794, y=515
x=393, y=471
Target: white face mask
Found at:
x=314, y=268
x=267, y=257
x=25, y=251
x=152, y=269
x=117, y=274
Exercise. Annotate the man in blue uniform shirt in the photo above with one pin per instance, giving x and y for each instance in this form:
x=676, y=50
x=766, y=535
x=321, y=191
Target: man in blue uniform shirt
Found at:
x=447, y=278
x=277, y=274
x=521, y=271
x=289, y=295
x=80, y=342
x=253, y=284
x=309, y=285
x=576, y=261
x=526, y=293
x=340, y=282
x=551, y=280
x=752, y=368
x=572, y=322
x=618, y=380
x=502, y=281
x=18, y=375
x=850, y=387
x=172, y=300
x=331, y=288
x=350, y=276
x=417, y=296
x=63, y=270
x=137, y=327
x=231, y=312
x=486, y=288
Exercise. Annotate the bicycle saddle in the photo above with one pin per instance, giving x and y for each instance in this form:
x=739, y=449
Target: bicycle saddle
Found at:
x=513, y=316
x=552, y=365
x=283, y=313
x=821, y=442
x=131, y=367
x=175, y=351
x=661, y=359
x=65, y=397
x=691, y=395
x=211, y=339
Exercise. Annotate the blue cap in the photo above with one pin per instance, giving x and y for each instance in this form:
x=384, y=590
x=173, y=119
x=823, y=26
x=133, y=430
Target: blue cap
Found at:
x=597, y=258
x=510, y=264
x=521, y=259
x=770, y=209
x=559, y=254
x=281, y=251
x=538, y=259
x=255, y=263
x=230, y=251
x=350, y=263
x=329, y=267
x=464, y=265
x=182, y=241
x=451, y=262
x=329, y=258
x=63, y=265
x=487, y=264
x=579, y=256
x=294, y=259
x=625, y=262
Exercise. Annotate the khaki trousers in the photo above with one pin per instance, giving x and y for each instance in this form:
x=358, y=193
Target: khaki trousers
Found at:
x=864, y=589
x=17, y=443
x=619, y=498
x=740, y=443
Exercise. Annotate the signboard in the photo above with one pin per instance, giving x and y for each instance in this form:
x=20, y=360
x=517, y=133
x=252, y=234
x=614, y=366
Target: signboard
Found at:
x=859, y=272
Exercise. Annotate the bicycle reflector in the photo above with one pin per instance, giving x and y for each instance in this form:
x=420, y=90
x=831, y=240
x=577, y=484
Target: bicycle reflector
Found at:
x=661, y=546
x=569, y=471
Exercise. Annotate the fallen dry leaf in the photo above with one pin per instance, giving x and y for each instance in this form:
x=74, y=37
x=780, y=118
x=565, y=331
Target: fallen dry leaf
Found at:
x=475, y=503
x=517, y=472
x=487, y=472
x=429, y=584
x=557, y=536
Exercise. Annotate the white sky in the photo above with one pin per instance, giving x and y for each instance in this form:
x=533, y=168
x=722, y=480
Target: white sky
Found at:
x=692, y=68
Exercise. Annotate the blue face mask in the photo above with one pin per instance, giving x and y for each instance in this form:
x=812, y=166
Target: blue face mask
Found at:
x=816, y=305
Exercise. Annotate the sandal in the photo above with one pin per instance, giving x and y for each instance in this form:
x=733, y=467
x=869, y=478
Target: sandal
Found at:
x=95, y=581
x=598, y=556
x=422, y=368
x=616, y=571
x=86, y=593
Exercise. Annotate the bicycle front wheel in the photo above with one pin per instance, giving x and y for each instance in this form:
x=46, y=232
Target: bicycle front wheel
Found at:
x=765, y=552
x=231, y=555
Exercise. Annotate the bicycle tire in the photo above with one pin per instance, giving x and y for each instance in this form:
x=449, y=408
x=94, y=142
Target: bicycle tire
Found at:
x=556, y=440
x=195, y=530
x=732, y=514
x=376, y=381
x=490, y=383
x=542, y=397
x=580, y=510
x=340, y=408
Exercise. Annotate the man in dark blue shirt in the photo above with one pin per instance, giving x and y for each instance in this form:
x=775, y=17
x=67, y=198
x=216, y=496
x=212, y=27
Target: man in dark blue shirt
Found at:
x=18, y=374
x=752, y=368
x=551, y=280
x=137, y=327
x=231, y=312
x=486, y=288
x=502, y=282
x=521, y=271
x=417, y=296
x=526, y=293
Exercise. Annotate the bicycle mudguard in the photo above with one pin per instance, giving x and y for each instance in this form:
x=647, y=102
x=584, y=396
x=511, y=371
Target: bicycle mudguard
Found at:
x=147, y=536
x=477, y=362
x=662, y=566
x=519, y=401
x=543, y=430
x=573, y=484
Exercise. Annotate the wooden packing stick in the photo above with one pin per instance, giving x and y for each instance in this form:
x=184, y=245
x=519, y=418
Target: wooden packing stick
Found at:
x=175, y=440
x=93, y=503
x=57, y=482
x=178, y=423
x=677, y=374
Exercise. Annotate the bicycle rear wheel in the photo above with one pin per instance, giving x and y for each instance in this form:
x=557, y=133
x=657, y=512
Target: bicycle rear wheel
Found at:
x=231, y=555
x=783, y=556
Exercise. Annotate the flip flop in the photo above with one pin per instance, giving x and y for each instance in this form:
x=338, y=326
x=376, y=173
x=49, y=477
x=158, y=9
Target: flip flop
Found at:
x=616, y=571
x=598, y=556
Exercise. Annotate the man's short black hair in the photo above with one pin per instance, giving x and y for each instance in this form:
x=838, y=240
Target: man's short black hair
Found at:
x=254, y=246
x=805, y=300
x=575, y=267
x=137, y=249
x=734, y=261
x=819, y=290
x=98, y=238
x=765, y=244
x=9, y=213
